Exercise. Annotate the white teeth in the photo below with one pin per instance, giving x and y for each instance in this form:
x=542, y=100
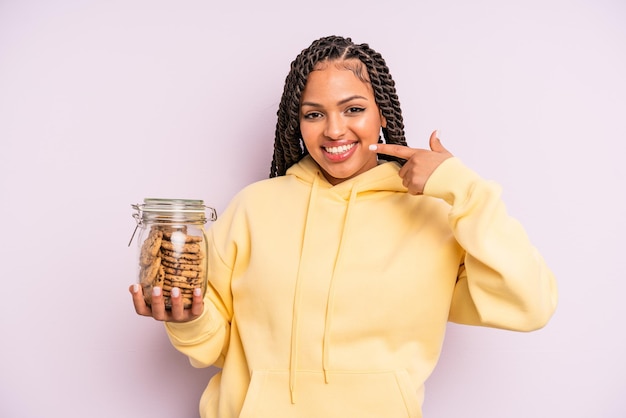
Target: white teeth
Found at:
x=340, y=149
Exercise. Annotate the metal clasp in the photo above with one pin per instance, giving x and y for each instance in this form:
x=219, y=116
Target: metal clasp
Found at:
x=213, y=216
x=138, y=220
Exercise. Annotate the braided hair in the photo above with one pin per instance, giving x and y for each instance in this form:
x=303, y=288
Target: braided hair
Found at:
x=288, y=145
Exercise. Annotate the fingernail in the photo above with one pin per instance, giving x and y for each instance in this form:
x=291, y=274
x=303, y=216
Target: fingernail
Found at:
x=135, y=288
x=156, y=291
x=197, y=291
x=175, y=292
x=438, y=134
x=373, y=147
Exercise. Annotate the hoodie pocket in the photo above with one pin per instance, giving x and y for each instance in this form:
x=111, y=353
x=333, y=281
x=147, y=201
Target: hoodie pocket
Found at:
x=347, y=394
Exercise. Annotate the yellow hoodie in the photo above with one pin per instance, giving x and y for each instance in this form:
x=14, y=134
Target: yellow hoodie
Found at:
x=332, y=301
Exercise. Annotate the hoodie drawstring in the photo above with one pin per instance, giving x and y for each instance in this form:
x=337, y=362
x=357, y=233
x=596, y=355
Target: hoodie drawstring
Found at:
x=331, y=291
x=293, y=358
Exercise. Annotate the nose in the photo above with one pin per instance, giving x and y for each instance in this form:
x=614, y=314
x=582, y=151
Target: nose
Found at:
x=335, y=127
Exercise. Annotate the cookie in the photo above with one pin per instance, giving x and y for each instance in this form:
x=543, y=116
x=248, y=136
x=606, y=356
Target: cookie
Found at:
x=190, y=258
x=176, y=280
x=182, y=272
x=148, y=273
x=150, y=277
x=150, y=247
x=183, y=290
x=181, y=237
x=180, y=247
x=181, y=266
x=169, y=229
x=168, y=258
x=160, y=277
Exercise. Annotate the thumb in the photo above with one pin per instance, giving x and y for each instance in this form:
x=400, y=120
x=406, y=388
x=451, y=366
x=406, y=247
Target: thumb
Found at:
x=435, y=142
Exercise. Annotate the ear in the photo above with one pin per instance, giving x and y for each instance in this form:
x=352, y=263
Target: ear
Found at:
x=383, y=120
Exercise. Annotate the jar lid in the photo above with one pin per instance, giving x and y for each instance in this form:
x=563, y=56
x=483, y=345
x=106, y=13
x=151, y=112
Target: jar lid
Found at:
x=173, y=210
x=173, y=205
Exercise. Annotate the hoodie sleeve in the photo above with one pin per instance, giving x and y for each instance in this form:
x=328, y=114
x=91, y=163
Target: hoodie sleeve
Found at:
x=205, y=339
x=504, y=282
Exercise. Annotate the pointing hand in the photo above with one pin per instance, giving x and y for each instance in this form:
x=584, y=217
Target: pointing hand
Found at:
x=420, y=163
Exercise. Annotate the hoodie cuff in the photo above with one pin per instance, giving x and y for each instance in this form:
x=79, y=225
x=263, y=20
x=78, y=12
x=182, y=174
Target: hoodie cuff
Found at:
x=451, y=181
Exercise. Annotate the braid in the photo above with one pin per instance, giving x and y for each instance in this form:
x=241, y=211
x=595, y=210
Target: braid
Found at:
x=288, y=144
x=384, y=93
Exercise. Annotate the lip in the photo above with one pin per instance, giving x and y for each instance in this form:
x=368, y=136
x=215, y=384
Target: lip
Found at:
x=337, y=158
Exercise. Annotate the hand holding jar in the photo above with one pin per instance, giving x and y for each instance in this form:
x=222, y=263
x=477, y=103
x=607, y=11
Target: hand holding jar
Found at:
x=172, y=259
x=157, y=309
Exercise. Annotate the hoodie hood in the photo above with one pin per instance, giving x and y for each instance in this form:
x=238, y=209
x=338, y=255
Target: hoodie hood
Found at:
x=383, y=177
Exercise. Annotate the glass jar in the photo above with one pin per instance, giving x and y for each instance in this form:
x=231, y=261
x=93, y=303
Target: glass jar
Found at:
x=172, y=247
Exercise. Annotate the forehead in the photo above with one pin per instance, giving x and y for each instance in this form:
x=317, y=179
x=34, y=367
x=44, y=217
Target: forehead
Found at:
x=355, y=65
x=335, y=81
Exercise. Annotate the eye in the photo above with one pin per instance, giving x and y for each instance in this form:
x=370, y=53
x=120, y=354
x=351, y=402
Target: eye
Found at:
x=312, y=115
x=355, y=109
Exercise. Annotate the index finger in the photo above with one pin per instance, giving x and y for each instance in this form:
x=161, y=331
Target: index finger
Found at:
x=401, y=151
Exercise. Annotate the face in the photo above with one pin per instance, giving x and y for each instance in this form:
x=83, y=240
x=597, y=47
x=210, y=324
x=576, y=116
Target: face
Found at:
x=339, y=120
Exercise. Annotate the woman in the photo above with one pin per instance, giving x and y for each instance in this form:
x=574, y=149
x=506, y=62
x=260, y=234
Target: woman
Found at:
x=331, y=282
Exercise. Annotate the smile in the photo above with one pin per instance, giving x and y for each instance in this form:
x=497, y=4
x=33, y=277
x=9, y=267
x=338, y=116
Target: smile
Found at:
x=342, y=149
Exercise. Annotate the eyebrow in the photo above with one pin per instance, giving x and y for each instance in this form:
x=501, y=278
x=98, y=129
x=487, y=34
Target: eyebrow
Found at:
x=341, y=102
